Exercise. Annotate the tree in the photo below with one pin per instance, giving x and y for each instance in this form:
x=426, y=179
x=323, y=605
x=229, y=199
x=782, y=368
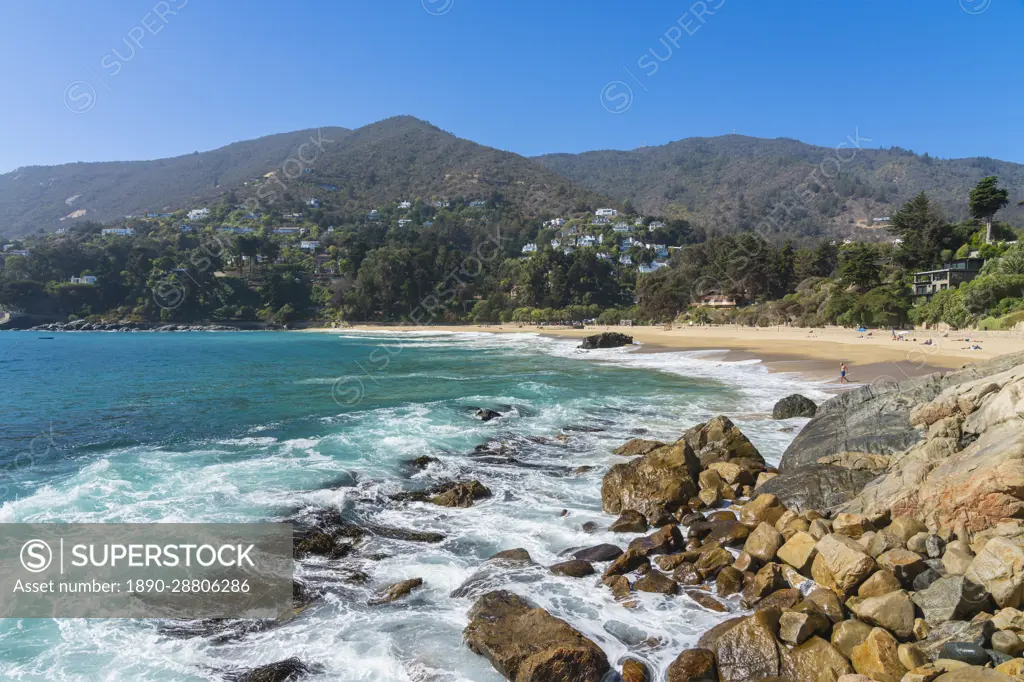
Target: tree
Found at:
x=925, y=233
x=857, y=266
x=986, y=200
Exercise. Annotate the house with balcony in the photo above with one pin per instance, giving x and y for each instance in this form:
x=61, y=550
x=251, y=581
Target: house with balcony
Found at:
x=199, y=214
x=718, y=301
x=84, y=279
x=606, y=212
x=309, y=245
x=950, y=276
x=530, y=248
x=118, y=231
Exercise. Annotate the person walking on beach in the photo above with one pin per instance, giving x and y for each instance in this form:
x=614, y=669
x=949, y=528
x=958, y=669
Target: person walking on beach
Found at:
x=842, y=373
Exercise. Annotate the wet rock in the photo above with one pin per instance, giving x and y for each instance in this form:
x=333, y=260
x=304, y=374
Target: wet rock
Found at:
x=878, y=657
x=706, y=600
x=968, y=652
x=951, y=598
x=461, y=494
x=748, y=651
x=283, y=671
x=598, y=553
x=734, y=473
x=323, y=544
x=621, y=590
x=660, y=482
x=397, y=591
x=711, y=562
x=693, y=665
x=687, y=574
x=766, y=581
x=638, y=447
x=422, y=462
x=763, y=543
x=606, y=340
x=575, y=568
x=729, y=582
x=729, y=533
x=635, y=671
x=629, y=521
x=627, y=563
x=815, y=660
x=665, y=540
x=720, y=440
x=486, y=415
x=849, y=634
x=528, y=644
x=657, y=582
x=794, y=405
x=786, y=598
x=511, y=565
x=893, y=611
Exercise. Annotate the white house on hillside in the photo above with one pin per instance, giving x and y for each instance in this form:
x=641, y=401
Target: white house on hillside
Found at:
x=530, y=248
x=405, y=205
x=84, y=279
x=199, y=214
x=119, y=231
x=309, y=245
x=606, y=212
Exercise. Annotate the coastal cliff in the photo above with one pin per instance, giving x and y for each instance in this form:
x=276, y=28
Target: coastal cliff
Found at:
x=889, y=547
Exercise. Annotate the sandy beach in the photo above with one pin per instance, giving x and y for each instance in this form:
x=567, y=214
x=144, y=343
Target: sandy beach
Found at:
x=813, y=352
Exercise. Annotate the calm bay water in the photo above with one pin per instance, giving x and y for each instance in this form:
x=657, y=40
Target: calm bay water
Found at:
x=241, y=427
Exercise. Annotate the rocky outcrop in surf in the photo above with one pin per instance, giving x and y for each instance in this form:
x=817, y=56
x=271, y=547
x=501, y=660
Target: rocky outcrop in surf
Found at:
x=901, y=563
x=606, y=340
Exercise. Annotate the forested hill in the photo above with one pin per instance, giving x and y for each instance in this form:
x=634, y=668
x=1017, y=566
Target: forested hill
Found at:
x=395, y=159
x=37, y=197
x=729, y=184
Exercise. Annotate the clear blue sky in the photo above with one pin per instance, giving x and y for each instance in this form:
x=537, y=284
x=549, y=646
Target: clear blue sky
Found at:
x=942, y=76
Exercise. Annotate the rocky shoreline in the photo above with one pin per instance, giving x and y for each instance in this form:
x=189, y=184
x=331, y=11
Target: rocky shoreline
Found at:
x=83, y=326
x=889, y=546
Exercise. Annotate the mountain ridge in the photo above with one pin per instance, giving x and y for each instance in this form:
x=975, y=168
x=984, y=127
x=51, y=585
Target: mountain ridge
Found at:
x=723, y=184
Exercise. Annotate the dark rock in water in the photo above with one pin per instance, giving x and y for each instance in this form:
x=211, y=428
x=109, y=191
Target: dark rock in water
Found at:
x=282, y=671
x=403, y=533
x=397, y=591
x=584, y=429
x=322, y=544
x=656, y=582
x=606, y=340
x=634, y=670
x=583, y=469
x=462, y=495
x=598, y=553
x=527, y=643
x=422, y=462
x=485, y=415
x=629, y=521
x=591, y=527
x=794, y=405
x=693, y=665
x=575, y=568
x=821, y=487
x=518, y=555
x=968, y=652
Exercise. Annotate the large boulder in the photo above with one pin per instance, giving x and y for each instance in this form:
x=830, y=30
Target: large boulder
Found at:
x=815, y=661
x=462, y=494
x=606, y=340
x=693, y=665
x=794, y=405
x=820, y=487
x=719, y=440
x=638, y=446
x=660, y=482
x=528, y=644
x=749, y=650
x=947, y=485
x=875, y=418
x=282, y=671
x=893, y=611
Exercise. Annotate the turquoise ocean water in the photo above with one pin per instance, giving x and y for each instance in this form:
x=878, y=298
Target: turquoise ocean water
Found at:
x=245, y=427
